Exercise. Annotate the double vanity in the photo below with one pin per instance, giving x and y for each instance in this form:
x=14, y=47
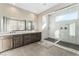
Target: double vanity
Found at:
x=17, y=39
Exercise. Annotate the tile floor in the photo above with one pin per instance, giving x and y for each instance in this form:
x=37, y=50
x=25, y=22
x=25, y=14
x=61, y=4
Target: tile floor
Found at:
x=35, y=49
x=65, y=44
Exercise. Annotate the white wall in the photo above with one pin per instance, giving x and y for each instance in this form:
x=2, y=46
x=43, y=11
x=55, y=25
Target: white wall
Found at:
x=45, y=27
x=52, y=26
x=17, y=13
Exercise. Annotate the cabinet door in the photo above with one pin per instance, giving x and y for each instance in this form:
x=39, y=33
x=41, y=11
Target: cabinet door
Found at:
x=26, y=39
x=1, y=45
x=17, y=41
x=38, y=35
x=35, y=37
x=7, y=43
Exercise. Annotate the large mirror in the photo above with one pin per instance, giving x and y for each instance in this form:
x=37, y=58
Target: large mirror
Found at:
x=29, y=25
x=9, y=24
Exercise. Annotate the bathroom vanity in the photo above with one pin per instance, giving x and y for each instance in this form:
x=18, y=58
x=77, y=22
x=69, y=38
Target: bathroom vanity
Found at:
x=14, y=40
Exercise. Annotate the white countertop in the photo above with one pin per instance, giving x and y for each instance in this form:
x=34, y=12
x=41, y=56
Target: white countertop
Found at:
x=18, y=32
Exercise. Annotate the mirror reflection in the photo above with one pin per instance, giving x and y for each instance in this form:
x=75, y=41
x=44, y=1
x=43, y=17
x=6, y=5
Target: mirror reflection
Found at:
x=10, y=25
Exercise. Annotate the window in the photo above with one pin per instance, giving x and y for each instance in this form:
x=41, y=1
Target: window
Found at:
x=68, y=16
x=72, y=29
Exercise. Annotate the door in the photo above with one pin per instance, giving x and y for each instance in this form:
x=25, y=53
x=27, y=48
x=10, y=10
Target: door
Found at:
x=67, y=33
x=72, y=33
x=64, y=32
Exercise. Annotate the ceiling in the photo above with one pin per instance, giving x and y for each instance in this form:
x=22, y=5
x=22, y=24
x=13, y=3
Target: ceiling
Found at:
x=35, y=7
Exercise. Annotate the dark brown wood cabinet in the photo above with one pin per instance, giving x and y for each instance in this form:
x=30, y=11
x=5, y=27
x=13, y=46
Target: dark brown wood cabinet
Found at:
x=14, y=41
x=30, y=38
x=17, y=41
x=24, y=39
x=36, y=37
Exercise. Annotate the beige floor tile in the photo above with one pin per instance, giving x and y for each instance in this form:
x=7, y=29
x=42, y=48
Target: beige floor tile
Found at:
x=37, y=50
